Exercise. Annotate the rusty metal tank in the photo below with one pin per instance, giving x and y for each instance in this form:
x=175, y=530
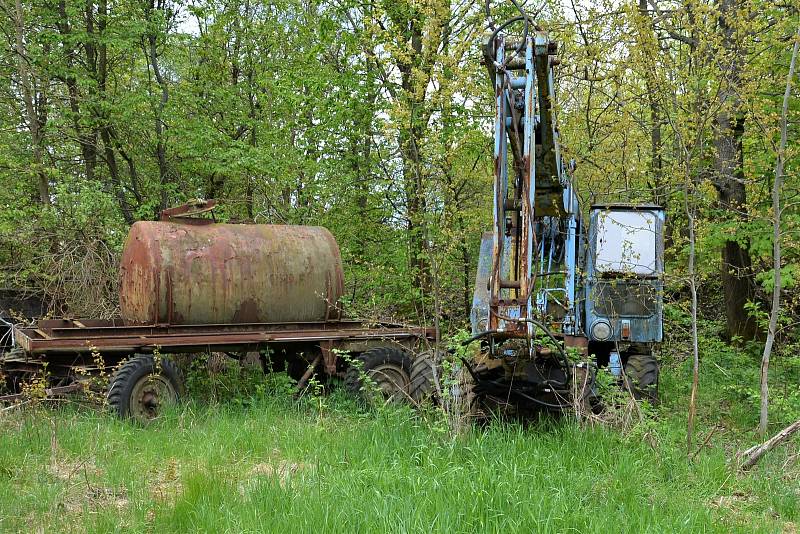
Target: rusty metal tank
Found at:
x=184, y=273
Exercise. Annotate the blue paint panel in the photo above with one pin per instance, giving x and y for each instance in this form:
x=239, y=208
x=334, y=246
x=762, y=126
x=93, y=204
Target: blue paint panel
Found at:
x=479, y=316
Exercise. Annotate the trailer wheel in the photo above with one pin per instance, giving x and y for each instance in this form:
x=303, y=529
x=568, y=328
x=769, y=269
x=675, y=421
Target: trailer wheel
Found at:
x=423, y=386
x=138, y=390
x=641, y=377
x=387, y=367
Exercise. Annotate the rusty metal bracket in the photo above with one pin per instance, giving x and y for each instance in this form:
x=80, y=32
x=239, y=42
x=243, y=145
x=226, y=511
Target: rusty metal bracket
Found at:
x=186, y=212
x=328, y=356
x=49, y=392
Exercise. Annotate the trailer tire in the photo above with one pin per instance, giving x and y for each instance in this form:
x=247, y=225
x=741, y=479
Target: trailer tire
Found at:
x=139, y=390
x=388, y=368
x=641, y=377
x=423, y=379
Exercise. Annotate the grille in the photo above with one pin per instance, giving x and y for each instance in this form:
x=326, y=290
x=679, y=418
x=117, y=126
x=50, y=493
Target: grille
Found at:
x=615, y=299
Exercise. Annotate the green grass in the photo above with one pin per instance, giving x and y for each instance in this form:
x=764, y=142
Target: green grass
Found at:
x=278, y=467
x=271, y=464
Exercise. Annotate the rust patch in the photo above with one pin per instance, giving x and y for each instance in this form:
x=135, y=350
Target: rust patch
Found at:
x=248, y=312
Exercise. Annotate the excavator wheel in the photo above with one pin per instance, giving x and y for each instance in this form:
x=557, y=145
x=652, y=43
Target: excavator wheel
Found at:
x=423, y=385
x=387, y=368
x=641, y=377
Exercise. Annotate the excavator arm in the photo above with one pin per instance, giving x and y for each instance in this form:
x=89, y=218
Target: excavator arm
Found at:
x=535, y=211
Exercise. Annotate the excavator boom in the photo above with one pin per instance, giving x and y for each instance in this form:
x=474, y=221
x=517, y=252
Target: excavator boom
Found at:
x=535, y=210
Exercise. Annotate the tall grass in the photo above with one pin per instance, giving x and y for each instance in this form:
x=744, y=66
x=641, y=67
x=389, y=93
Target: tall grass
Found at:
x=280, y=466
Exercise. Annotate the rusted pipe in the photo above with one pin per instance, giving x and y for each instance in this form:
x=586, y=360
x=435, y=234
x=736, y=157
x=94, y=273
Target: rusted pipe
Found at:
x=303, y=379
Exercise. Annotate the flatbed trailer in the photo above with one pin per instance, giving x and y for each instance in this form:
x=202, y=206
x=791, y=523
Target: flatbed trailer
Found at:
x=70, y=350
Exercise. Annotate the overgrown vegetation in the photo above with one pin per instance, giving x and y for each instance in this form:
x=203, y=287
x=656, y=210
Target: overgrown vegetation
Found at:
x=245, y=454
x=280, y=465
x=117, y=110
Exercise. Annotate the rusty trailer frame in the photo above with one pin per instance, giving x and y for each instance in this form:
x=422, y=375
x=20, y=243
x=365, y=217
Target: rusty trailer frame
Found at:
x=68, y=347
x=60, y=336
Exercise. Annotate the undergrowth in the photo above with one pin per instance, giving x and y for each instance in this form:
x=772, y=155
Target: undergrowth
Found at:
x=245, y=454
x=275, y=465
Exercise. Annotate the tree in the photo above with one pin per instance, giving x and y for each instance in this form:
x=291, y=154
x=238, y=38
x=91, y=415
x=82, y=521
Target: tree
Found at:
x=729, y=176
x=776, y=243
x=33, y=91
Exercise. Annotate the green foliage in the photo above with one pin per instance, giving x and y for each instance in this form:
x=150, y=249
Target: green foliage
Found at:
x=729, y=376
x=243, y=119
x=373, y=120
x=227, y=381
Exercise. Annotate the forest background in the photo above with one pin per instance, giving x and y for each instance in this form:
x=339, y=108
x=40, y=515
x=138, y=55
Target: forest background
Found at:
x=373, y=119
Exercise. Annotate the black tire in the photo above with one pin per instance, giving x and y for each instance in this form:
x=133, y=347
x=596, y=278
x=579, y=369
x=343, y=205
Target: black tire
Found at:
x=139, y=390
x=423, y=386
x=641, y=377
x=463, y=405
x=388, y=367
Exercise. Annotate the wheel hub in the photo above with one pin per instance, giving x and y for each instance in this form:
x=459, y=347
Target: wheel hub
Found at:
x=392, y=381
x=150, y=395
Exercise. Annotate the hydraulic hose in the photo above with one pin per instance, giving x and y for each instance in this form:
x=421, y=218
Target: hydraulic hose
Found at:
x=523, y=16
x=587, y=390
x=478, y=336
x=565, y=360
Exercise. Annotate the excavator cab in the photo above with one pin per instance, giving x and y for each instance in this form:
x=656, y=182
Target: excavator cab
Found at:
x=623, y=291
x=624, y=274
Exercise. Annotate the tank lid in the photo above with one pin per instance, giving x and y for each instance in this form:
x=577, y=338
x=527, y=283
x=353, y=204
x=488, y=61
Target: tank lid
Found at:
x=187, y=213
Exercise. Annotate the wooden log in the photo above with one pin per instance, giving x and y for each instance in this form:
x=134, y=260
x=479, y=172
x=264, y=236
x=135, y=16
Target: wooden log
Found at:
x=752, y=455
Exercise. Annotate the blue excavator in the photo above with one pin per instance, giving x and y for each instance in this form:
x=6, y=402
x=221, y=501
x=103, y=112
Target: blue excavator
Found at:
x=558, y=294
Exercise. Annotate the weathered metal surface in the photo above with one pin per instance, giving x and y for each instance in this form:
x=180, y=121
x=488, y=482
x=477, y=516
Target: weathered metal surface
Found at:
x=176, y=273
x=479, y=316
x=530, y=187
x=186, y=212
x=49, y=392
x=63, y=337
x=631, y=296
x=329, y=356
x=16, y=304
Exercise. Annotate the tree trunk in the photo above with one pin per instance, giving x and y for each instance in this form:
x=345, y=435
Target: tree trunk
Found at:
x=415, y=217
x=411, y=132
x=105, y=130
x=660, y=196
x=87, y=140
x=466, y=264
x=35, y=105
x=253, y=136
x=728, y=129
x=693, y=289
x=752, y=455
x=161, y=150
x=776, y=247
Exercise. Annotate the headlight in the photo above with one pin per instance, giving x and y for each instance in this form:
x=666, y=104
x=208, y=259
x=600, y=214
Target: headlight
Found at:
x=601, y=330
